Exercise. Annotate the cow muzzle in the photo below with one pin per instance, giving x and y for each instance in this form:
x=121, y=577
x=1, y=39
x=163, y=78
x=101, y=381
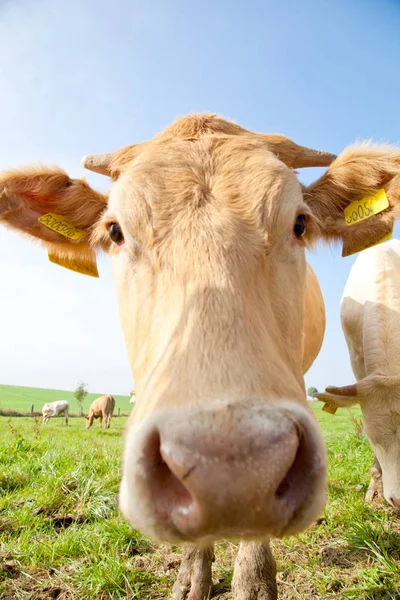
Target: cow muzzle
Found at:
x=246, y=471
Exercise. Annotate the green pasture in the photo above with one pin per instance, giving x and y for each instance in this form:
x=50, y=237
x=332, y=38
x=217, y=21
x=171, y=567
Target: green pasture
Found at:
x=61, y=535
x=21, y=399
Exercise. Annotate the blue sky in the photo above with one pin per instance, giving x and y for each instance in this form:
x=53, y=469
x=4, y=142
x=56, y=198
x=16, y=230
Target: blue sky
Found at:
x=80, y=77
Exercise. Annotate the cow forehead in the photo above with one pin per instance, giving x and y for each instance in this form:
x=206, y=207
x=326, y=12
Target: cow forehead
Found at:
x=237, y=172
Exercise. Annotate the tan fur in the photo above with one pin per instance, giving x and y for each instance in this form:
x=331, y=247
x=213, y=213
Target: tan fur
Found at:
x=102, y=408
x=314, y=320
x=194, y=127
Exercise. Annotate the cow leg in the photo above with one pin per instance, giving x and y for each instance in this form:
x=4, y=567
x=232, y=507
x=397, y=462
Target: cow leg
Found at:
x=254, y=576
x=66, y=417
x=194, y=580
x=376, y=484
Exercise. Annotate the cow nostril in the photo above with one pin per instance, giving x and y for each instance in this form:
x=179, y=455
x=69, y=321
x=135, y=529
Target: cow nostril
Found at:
x=293, y=487
x=168, y=492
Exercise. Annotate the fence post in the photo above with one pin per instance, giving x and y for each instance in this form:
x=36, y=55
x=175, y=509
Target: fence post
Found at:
x=32, y=409
x=119, y=410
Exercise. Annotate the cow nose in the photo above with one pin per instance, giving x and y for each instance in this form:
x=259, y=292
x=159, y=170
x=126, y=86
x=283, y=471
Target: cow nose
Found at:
x=232, y=473
x=204, y=485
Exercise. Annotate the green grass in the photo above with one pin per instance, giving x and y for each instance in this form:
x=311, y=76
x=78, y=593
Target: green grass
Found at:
x=21, y=399
x=61, y=535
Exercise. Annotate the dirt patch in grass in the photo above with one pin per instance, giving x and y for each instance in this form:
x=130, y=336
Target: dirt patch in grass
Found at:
x=59, y=520
x=36, y=585
x=9, y=569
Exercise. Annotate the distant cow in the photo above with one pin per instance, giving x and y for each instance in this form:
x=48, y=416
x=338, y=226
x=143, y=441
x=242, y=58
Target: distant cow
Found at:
x=55, y=409
x=102, y=408
x=370, y=314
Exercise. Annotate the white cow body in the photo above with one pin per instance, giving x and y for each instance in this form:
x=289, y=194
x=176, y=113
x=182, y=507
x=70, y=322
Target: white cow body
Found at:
x=55, y=409
x=370, y=314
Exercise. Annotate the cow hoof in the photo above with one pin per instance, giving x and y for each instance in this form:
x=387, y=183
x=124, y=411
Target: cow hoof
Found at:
x=255, y=591
x=198, y=590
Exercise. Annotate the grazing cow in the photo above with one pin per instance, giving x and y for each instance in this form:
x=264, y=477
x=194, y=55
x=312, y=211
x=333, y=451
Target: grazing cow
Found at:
x=55, y=409
x=370, y=314
x=206, y=226
x=102, y=408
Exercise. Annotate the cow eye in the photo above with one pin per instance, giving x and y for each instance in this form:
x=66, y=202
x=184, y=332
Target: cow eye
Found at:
x=115, y=233
x=299, y=228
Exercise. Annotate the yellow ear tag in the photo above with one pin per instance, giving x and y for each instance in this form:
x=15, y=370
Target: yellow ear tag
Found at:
x=86, y=266
x=61, y=225
x=361, y=210
x=330, y=407
x=365, y=208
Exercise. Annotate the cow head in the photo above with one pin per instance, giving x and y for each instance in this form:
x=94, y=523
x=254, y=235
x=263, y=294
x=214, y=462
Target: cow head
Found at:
x=88, y=421
x=206, y=226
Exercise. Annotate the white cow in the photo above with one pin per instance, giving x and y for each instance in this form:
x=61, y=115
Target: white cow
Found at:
x=370, y=314
x=55, y=409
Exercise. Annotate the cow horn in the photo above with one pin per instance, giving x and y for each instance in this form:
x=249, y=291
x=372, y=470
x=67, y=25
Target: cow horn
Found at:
x=295, y=156
x=346, y=390
x=99, y=163
x=290, y=153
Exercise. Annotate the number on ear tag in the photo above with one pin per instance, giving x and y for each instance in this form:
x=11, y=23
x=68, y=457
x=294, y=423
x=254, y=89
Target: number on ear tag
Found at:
x=61, y=225
x=366, y=208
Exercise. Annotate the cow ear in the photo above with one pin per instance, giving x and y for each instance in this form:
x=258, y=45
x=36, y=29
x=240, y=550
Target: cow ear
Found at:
x=46, y=204
x=336, y=401
x=357, y=200
x=338, y=397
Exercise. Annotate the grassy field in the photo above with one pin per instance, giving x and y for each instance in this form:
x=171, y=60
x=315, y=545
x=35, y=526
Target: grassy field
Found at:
x=21, y=399
x=61, y=535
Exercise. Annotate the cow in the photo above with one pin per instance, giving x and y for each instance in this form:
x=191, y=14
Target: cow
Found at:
x=55, y=409
x=207, y=226
x=102, y=408
x=370, y=317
